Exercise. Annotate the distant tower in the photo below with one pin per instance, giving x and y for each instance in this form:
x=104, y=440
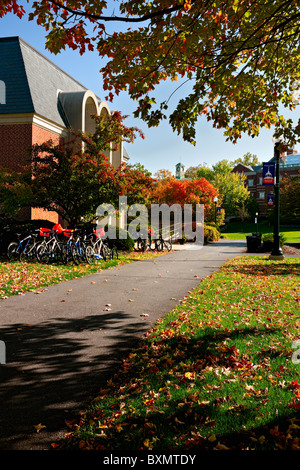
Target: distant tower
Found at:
x=179, y=171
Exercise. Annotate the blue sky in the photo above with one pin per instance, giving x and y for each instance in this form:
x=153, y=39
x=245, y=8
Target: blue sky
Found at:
x=161, y=148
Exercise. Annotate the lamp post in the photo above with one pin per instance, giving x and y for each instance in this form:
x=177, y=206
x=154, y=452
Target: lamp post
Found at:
x=276, y=251
x=215, y=201
x=256, y=221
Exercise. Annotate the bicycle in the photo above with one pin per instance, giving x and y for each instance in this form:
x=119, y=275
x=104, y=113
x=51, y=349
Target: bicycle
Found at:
x=52, y=250
x=98, y=249
x=81, y=250
x=30, y=245
x=112, y=249
x=144, y=244
x=67, y=244
x=160, y=244
x=15, y=249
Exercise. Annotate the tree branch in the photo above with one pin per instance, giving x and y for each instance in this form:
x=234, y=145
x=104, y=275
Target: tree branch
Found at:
x=165, y=11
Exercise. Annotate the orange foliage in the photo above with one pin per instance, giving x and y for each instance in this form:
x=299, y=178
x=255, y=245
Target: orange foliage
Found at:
x=185, y=192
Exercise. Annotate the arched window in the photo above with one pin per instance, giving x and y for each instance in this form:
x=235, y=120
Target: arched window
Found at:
x=2, y=92
x=90, y=108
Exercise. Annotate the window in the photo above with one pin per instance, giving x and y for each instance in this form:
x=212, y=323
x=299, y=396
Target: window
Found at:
x=2, y=92
x=261, y=195
x=250, y=183
x=260, y=180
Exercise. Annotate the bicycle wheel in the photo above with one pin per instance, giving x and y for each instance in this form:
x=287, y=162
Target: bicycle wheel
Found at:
x=61, y=253
x=75, y=254
x=42, y=253
x=89, y=254
x=168, y=245
x=104, y=252
x=114, y=253
x=12, y=250
x=153, y=245
x=28, y=253
x=159, y=245
x=67, y=252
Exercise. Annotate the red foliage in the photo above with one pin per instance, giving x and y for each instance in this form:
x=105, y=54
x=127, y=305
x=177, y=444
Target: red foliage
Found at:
x=185, y=192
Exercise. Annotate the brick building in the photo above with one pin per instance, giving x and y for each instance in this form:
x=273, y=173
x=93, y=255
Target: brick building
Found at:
x=289, y=166
x=38, y=102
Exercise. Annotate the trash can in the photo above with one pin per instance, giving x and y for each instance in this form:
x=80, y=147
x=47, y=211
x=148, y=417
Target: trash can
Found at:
x=253, y=242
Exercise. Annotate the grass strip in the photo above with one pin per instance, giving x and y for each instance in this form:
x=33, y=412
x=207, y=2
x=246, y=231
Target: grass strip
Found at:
x=16, y=277
x=220, y=371
x=239, y=231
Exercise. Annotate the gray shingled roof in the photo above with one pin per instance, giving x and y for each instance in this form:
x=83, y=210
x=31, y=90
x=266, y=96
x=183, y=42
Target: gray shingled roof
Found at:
x=13, y=74
x=32, y=81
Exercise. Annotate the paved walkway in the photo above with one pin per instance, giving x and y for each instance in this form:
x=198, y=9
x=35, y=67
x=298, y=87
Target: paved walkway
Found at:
x=63, y=344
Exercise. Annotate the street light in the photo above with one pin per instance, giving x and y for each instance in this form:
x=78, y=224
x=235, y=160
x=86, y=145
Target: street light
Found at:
x=256, y=221
x=215, y=201
x=276, y=251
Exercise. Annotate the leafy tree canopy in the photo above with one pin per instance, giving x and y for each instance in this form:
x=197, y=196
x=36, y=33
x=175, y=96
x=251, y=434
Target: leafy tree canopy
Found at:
x=241, y=57
x=164, y=175
x=73, y=180
x=182, y=192
x=232, y=192
x=248, y=159
x=290, y=199
x=139, y=167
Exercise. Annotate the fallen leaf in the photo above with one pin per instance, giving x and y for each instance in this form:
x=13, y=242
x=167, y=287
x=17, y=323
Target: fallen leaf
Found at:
x=220, y=446
x=38, y=427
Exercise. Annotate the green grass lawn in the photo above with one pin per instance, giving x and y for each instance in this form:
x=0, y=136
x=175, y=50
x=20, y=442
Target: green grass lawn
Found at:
x=239, y=231
x=19, y=277
x=220, y=371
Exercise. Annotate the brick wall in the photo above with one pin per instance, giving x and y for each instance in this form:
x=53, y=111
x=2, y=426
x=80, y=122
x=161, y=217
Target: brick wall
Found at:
x=15, y=139
x=40, y=135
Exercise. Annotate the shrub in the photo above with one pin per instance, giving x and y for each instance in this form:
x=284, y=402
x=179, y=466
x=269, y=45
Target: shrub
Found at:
x=268, y=240
x=123, y=244
x=211, y=234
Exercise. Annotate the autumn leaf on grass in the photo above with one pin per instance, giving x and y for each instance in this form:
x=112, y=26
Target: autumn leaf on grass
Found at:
x=190, y=375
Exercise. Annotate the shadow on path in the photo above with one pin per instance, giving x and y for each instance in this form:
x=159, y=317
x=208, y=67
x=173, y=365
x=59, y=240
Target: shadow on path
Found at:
x=60, y=354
